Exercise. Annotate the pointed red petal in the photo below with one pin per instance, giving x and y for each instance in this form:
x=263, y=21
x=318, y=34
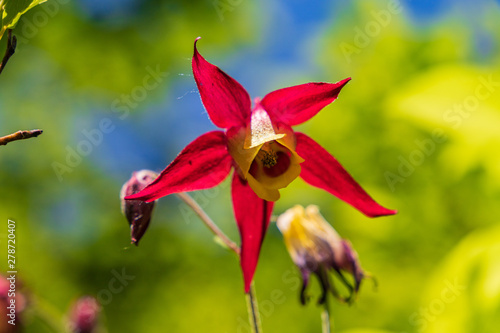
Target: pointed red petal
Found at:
x=204, y=163
x=252, y=215
x=297, y=104
x=322, y=170
x=226, y=101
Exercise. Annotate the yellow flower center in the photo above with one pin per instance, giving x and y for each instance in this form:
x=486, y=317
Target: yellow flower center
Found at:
x=268, y=158
x=265, y=155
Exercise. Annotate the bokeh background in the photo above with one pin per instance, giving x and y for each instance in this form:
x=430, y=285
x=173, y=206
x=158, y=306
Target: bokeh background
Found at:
x=418, y=126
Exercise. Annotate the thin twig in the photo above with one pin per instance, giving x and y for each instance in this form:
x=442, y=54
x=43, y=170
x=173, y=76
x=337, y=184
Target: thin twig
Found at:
x=208, y=221
x=11, y=49
x=19, y=135
x=253, y=310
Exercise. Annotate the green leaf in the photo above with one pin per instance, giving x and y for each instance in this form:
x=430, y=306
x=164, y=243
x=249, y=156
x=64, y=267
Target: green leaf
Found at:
x=11, y=11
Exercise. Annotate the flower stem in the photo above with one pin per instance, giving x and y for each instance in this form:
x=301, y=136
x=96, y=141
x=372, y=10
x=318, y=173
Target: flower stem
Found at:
x=325, y=319
x=253, y=310
x=251, y=297
x=208, y=221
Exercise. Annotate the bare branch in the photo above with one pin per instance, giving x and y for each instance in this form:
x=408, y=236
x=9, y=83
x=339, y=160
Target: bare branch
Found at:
x=19, y=135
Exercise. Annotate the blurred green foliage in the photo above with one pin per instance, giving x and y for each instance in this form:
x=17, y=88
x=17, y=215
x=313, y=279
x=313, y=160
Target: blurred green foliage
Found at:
x=407, y=83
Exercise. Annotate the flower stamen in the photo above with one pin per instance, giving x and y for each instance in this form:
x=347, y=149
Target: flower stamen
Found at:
x=269, y=158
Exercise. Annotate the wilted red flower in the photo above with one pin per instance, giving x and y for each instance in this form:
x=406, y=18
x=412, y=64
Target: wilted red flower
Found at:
x=315, y=247
x=263, y=149
x=137, y=212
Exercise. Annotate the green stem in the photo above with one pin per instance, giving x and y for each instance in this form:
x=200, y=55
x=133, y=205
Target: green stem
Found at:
x=251, y=297
x=325, y=319
x=253, y=310
x=208, y=221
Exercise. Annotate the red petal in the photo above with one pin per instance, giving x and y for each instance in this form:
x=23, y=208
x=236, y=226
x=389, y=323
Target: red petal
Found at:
x=226, y=101
x=322, y=170
x=204, y=163
x=297, y=104
x=252, y=215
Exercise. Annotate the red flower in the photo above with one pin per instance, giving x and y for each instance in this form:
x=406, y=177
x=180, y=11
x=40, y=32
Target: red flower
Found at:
x=263, y=149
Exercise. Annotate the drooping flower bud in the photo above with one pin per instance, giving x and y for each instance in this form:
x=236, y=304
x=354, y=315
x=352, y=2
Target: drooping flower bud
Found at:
x=84, y=317
x=137, y=212
x=315, y=247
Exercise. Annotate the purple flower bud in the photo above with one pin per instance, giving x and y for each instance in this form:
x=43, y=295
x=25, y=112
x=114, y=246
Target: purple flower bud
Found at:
x=315, y=247
x=84, y=315
x=137, y=212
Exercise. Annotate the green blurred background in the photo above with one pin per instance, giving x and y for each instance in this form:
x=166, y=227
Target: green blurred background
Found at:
x=418, y=126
